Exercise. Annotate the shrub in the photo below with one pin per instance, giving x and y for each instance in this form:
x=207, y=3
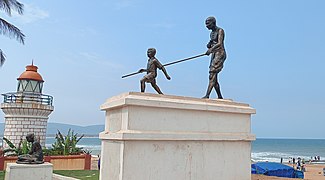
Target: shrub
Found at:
x=66, y=145
x=63, y=145
x=23, y=147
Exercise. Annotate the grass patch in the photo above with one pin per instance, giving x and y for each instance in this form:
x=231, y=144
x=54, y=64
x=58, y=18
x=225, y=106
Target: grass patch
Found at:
x=79, y=174
x=2, y=175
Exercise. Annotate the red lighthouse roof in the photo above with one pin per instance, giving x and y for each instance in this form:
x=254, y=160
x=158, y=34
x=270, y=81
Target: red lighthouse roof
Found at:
x=31, y=74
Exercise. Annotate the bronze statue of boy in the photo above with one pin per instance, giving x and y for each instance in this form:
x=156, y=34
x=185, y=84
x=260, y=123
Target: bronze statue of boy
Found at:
x=35, y=155
x=151, y=70
x=218, y=55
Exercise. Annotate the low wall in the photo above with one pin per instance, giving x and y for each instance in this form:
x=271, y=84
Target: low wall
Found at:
x=70, y=162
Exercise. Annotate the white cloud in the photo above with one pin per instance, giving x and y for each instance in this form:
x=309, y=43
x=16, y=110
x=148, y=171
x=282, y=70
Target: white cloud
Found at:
x=84, y=32
x=162, y=25
x=121, y=4
x=94, y=58
x=31, y=14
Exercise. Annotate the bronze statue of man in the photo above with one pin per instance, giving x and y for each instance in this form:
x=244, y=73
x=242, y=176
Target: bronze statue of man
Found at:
x=35, y=155
x=218, y=55
x=151, y=70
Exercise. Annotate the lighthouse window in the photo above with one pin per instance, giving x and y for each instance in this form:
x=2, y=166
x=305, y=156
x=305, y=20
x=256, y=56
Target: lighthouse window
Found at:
x=19, y=87
x=22, y=85
x=34, y=85
x=29, y=87
x=40, y=87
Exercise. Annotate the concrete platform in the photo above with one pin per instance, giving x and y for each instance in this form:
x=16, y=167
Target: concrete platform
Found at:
x=16, y=171
x=151, y=136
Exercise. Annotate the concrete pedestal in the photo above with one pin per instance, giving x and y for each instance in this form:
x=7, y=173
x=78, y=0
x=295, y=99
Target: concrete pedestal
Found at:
x=159, y=137
x=29, y=171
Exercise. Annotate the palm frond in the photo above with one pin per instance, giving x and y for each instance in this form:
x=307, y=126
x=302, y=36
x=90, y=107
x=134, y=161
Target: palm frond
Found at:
x=8, y=5
x=2, y=58
x=79, y=138
x=12, y=31
x=10, y=144
x=5, y=151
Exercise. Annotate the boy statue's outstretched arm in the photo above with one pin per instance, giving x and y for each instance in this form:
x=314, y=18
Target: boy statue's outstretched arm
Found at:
x=161, y=67
x=165, y=72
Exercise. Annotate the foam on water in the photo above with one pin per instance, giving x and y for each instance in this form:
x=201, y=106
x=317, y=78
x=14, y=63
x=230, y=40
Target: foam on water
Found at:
x=274, y=156
x=275, y=149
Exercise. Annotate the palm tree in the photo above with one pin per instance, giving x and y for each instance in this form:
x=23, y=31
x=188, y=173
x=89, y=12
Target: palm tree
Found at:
x=8, y=29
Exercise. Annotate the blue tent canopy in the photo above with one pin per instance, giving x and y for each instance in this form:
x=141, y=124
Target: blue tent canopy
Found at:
x=274, y=169
x=253, y=171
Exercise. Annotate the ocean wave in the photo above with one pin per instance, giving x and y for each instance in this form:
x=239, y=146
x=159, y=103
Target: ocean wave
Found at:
x=83, y=146
x=274, y=156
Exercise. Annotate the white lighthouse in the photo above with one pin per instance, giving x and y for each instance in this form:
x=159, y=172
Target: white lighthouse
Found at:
x=27, y=110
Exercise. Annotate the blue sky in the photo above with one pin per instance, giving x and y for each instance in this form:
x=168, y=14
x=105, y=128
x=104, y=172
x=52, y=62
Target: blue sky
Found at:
x=275, y=56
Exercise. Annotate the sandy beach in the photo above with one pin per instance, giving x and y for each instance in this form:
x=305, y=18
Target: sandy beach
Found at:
x=313, y=172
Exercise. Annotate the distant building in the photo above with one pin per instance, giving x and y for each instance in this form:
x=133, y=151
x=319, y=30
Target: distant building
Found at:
x=27, y=110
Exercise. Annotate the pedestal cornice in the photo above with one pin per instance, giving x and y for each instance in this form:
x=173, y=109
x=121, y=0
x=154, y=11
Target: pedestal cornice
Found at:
x=176, y=102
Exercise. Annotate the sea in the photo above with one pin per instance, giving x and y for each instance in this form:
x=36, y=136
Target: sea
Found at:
x=271, y=150
x=90, y=144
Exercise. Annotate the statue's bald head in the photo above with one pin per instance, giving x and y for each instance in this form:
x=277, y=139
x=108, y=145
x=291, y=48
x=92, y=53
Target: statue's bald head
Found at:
x=211, y=19
x=211, y=22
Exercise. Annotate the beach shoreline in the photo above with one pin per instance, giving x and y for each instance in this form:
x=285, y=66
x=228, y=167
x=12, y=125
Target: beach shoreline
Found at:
x=313, y=172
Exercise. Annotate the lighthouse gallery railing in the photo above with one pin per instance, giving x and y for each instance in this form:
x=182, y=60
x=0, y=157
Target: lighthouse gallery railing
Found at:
x=25, y=97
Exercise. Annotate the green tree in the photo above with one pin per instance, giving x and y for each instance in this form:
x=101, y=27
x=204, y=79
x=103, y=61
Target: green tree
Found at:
x=9, y=29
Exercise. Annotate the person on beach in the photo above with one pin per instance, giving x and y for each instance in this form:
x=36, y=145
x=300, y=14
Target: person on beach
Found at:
x=98, y=163
x=151, y=70
x=298, y=164
x=303, y=165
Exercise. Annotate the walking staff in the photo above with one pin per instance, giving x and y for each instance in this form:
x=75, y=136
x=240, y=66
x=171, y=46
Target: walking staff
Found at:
x=171, y=63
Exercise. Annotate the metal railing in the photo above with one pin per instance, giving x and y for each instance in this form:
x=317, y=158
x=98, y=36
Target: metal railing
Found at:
x=25, y=97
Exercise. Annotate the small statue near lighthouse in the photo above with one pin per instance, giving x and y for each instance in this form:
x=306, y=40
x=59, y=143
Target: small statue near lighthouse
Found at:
x=35, y=155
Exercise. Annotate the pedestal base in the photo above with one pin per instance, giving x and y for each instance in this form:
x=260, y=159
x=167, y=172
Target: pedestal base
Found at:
x=29, y=171
x=163, y=137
